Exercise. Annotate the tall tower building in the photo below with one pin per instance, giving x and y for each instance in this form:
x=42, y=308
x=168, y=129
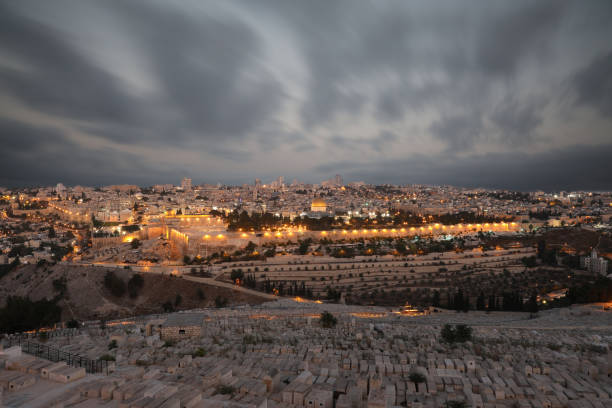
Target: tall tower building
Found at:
x=186, y=184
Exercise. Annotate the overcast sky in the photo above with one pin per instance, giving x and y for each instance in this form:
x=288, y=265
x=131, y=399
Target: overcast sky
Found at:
x=510, y=94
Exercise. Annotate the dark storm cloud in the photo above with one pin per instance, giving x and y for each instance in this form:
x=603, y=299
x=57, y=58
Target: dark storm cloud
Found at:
x=517, y=119
x=56, y=79
x=200, y=65
x=50, y=157
x=508, y=37
x=593, y=85
x=241, y=83
x=576, y=167
x=467, y=41
x=458, y=132
x=377, y=143
x=203, y=65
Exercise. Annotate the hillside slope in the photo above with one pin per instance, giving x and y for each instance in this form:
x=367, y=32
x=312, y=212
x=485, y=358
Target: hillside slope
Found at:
x=86, y=296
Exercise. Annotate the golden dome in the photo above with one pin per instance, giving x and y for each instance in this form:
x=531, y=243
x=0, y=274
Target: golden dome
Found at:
x=317, y=202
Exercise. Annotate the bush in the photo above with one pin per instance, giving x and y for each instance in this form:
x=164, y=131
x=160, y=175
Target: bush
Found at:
x=72, y=324
x=249, y=339
x=236, y=274
x=200, y=294
x=458, y=334
x=328, y=320
x=114, y=284
x=168, y=307
x=416, y=378
x=21, y=314
x=225, y=389
x=200, y=352
x=107, y=357
x=113, y=345
x=220, y=302
x=463, y=333
x=135, y=284
x=60, y=285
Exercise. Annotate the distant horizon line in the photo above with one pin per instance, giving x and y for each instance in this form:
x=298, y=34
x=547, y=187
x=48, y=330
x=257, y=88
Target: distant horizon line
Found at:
x=267, y=185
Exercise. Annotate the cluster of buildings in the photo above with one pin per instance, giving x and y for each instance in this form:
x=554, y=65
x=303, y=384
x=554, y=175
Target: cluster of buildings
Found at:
x=594, y=263
x=332, y=197
x=184, y=213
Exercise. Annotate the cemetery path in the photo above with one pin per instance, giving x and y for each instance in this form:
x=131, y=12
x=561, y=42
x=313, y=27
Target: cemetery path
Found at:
x=213, y=282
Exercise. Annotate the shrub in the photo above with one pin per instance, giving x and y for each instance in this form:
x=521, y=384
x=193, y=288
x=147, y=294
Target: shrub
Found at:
x=328, y=320
x=236, y=274
x=114, y=284
x=113, y=345
x=107, y=357
x=220, y=301
x=135, y=284
x=200, y=294
x=59, y=285
x=72, y=324
x=168, y=307
x=21, y=314
x=225, y=389
x=463, y=333
x=458, y=334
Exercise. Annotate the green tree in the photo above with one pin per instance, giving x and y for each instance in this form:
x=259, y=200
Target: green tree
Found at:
x=480, y=302
x=463, y=333
x=236, y=274
x=134, y=285
x=532, y=304
x=250, y=247
x=448, y=333
x=328, y=320
x=200, y=294
x=435, y=300
x=220, y=302
x=456, y=404
x=114, y=284
x=416, y=378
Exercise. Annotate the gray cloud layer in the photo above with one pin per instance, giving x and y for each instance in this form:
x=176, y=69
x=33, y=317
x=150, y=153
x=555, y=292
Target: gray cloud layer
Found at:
x=509, y=94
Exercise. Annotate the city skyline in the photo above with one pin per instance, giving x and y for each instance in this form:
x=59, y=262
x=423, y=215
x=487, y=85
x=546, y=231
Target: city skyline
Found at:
x=511, y=95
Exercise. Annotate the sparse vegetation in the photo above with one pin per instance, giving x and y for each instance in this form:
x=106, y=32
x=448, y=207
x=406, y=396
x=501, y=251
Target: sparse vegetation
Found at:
x=328, y=320
x=22, y=314
x=135, y=284
x=114, y=284
x=458, y=334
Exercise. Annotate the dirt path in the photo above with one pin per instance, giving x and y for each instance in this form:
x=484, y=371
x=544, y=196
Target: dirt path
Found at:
x=213, y=282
